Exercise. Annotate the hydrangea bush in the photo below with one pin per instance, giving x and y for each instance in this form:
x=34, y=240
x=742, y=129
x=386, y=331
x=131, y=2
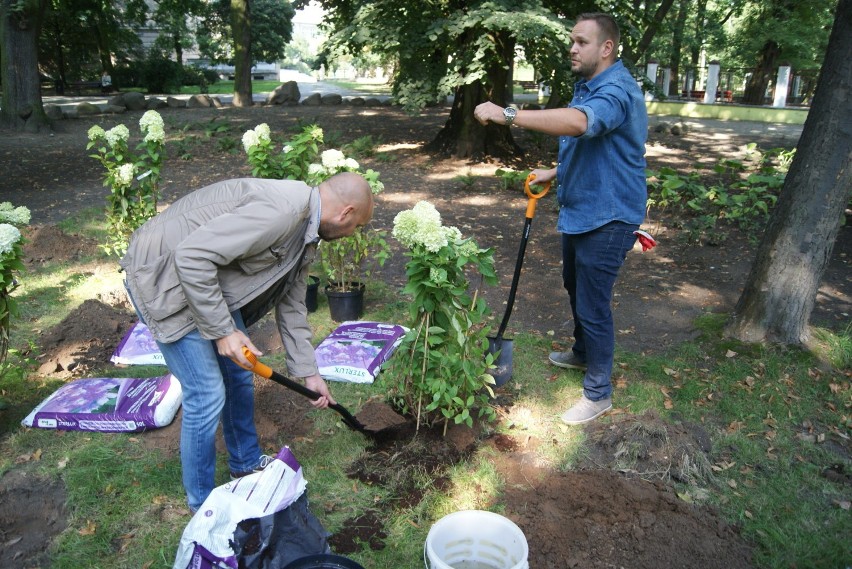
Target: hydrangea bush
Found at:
x=11, y=264
x=442, y=370
x=344, y=261
x=133, y=178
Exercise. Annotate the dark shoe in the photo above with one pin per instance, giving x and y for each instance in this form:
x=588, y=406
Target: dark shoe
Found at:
x=265, y=460
x=586, y=410
x=567, y=360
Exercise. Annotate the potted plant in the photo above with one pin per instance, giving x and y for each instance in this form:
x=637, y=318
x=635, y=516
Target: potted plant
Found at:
x=347, y=262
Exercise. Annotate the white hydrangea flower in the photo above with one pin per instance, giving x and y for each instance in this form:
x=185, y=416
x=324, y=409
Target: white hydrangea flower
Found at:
x=333, y=159
x=116, y=134
x=351, y=164
x=155, y=134
x=250, y=139
x=96, y=132
x=453, y=234
x=151, y=119
x=15, y=215
x=426, y=211
x=468, y=248
x=124, y=175
x=420, y=225
x=405, y=227
x=9, y=235
x=432, y=237
x=263, y=132
x=315, y=170
x=287, y=148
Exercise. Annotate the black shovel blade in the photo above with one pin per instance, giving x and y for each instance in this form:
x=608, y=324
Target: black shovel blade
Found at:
x=503, y=363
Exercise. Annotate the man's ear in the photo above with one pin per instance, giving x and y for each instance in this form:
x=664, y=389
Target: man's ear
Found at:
x=608, y=46
x=346, y=212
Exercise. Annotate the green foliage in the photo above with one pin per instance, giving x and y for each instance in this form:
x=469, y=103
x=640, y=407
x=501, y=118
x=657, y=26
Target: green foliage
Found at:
x=132, y=178
x=364, y=147
x=467, y=180
x=743, y=195
x=271, y=30
x=461, y=45
x=11, y=265
x=344, y=261
x=512, y=179
x=161, y=75
x=442, y=370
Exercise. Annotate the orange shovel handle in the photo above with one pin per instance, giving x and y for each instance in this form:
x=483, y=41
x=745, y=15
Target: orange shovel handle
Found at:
x=534, y=197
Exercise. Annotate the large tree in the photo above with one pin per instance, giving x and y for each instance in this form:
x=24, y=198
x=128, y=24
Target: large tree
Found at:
x=243, y=32
x=781, y=289
x=453, y=47
x=20, y=23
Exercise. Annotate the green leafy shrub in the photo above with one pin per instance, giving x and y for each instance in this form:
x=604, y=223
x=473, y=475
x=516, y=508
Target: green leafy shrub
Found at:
x=11, y=264
x=442, y=369
x=133, y=178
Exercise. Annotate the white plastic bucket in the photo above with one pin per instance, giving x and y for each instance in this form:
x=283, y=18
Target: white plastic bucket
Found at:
x=475, y=539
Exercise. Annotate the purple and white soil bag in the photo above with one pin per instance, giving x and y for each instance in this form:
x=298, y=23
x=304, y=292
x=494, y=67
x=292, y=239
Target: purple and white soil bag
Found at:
x=110, y=405
x=355, y=351
x=208, y=541
x=138, y=348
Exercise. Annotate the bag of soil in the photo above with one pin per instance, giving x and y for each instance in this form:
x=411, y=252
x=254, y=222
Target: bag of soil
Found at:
x=138, y=347
x=109, y=405
x=355, y=351
x=260, y=521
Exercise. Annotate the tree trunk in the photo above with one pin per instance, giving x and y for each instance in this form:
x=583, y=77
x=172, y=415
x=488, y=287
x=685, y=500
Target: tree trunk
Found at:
x=462, y=136
x=22, y=108
x=677, y=44
x=781, y=289
x=761, y=76
x=241, y=27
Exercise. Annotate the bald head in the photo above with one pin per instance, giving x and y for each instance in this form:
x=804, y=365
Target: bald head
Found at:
x=347, y=203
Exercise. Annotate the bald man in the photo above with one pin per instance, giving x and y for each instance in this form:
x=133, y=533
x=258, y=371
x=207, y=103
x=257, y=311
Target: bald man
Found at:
x=211, y=265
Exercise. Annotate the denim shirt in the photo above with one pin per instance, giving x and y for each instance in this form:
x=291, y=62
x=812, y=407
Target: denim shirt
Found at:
x=601, y=173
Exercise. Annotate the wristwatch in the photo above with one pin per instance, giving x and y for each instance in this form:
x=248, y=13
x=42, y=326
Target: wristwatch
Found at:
x=509, y=114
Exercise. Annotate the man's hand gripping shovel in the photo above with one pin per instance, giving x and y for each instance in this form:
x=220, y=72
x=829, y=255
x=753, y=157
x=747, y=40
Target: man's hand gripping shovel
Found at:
x=264, y=370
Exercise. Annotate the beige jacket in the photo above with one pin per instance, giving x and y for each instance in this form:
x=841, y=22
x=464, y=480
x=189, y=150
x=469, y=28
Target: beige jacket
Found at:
x=219, y=249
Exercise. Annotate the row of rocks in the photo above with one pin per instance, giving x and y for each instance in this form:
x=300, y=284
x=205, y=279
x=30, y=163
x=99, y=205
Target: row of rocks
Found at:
x=285, y=94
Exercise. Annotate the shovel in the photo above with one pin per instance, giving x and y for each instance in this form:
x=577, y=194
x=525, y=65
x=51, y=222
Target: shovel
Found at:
x=264, y=370
x=498, y=345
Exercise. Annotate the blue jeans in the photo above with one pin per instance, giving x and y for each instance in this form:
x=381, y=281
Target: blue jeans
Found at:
x=214, y=388
x=591, y=262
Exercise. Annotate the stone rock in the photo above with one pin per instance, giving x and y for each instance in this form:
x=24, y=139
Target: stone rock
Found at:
x=117, y=100
x=372, y=102
x=661, y=127
x=313, y=100
x=134, y=101
x=86, y=109
x=175, y=103
x=285, y=93
x=115, y=109
x=53, y=112
x=217, y=102
x=676, y=130
x=155, y=103
x=357, y=102
x=332, y=99
x=199, y=102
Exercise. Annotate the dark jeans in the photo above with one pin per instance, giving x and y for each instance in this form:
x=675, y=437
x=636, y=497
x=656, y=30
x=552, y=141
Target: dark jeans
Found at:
x=591, y=262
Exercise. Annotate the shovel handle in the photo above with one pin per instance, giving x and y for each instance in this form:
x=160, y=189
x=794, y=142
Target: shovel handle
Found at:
x=533, y=197
x=265, y=371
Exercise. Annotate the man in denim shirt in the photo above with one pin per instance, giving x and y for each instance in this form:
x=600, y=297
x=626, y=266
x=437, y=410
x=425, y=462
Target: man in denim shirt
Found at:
x=602, y=195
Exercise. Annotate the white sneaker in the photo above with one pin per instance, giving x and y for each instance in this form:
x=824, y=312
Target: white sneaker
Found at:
x=265, y=460
x=586, y=410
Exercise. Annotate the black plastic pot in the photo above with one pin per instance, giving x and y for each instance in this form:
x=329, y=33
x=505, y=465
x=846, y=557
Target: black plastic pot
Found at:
x=312, y=293
x=323, y=561
x=346, y=304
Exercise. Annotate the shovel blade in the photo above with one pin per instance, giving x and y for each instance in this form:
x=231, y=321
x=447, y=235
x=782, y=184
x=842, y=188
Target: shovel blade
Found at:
x=503, y=363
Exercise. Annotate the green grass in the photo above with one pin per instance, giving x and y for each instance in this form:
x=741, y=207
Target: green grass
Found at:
x=777, y=418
